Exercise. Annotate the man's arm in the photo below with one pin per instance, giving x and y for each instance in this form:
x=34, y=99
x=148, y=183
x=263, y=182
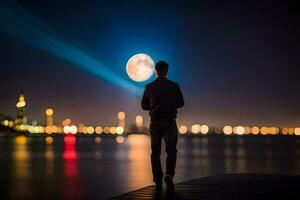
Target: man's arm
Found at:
x=179, y=100
x=145, y=100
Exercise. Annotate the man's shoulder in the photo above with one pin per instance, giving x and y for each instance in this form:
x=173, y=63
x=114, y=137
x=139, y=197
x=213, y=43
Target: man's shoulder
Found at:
x=173, y=82
x=150, y=84
x=156, y=82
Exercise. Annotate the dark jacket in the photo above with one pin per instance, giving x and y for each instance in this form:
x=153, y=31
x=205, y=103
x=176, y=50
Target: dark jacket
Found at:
x=162, y=97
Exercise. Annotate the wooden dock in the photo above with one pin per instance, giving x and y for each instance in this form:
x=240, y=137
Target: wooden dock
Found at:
x=228, y=187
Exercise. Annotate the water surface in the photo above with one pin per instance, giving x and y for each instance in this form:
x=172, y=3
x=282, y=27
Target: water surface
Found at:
x=57, y=167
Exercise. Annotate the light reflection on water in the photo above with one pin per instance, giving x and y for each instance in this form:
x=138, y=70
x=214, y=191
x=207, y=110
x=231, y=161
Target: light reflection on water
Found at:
x=21, y=175
x=77, y=167
x=139, y=158
x=71, y=178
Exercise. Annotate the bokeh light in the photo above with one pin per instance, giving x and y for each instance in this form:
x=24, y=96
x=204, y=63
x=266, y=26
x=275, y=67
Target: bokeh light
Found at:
x=66, y=122
x=119, y=130
x=5, y=122
x=239, y=130
x=183, y=129
x=98, y=130
x=196, y=128
x=21, y=140
x=73, y=129
x=291, y=131
x=112, y=130
x=227, y=130
x=247, y=130
x=204, y=129
x=255, y=130
x=66, y=129
x=139, y=121
x=98, y=139
x=297, y=131
x=120, y=139
x=49, y=112
x=264, y=130
x=90, y=130
x=121, y=115
x=106, y=130
x=285, y=131
x=49, y=140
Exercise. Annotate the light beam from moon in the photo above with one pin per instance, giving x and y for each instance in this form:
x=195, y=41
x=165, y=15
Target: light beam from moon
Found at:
x=140, y=67
x=20, y=24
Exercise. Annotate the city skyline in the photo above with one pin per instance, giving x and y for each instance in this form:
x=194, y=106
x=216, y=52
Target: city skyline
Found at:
x=67, y=126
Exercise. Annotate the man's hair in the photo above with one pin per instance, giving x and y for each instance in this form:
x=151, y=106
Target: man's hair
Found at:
x=162, y=68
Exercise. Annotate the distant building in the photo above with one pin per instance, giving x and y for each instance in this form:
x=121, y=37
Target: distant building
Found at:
x=20, y=106
x=49, y=117
x=121, y=119
x=139, y=122
x=138, y=127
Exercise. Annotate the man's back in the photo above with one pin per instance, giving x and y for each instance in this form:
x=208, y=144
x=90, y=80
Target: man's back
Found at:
x=162, y=97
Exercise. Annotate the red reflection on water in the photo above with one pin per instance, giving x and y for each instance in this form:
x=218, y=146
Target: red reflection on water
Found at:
x=70, y=150
x=72, y=183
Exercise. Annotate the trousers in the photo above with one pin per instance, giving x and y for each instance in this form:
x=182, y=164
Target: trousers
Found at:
x=167, y=131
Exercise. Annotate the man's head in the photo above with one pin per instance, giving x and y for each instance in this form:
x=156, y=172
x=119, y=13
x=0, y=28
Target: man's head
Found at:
x=161, y=68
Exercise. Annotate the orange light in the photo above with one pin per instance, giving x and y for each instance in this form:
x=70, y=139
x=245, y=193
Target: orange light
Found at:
x=239, y=130
x=49, y=112
x=183, y=129
x=97, y=139
x=227, y=130
x=98, y=130
x=121, y=115
x=291, y=131
x=106, y=130
x=247, y=130
x=21, y=140
x=120, y=139
x=255, y=130
x=139, y=121
x=297, y=131
x=48, y=129
x=285, y=131
x=112, y=130
x=21, y=104
x=49, y=140
x=196, y=128
x=264, y=130
x=119, y=130
x=204, y=129
x=66, y=122
x=90, y=130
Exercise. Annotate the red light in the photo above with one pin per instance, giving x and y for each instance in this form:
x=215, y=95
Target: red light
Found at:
x=69, y=139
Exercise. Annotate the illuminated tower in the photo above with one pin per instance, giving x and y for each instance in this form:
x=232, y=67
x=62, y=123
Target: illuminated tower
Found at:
x=21, y=118
x=139, y=121
x=121, y=119
x=49, y=117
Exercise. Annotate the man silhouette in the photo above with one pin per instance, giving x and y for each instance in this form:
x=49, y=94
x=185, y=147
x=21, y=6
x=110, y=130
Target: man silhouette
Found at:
x=162, y=97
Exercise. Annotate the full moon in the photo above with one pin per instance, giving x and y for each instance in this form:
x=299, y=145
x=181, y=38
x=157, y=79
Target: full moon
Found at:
x=140, y=67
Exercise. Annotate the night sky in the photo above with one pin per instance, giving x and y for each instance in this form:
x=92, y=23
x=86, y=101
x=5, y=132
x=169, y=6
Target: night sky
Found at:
x=236, y=61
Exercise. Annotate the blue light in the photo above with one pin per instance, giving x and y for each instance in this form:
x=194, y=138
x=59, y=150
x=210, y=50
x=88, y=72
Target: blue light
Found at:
x=20, y=24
